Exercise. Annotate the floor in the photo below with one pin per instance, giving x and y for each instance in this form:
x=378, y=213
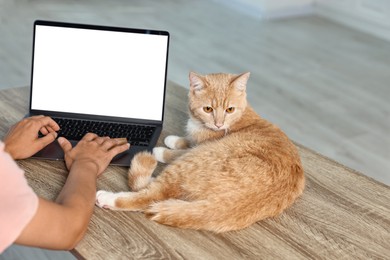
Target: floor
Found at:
x=326, y=85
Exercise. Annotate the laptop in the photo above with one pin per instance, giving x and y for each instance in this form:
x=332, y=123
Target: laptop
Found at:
x=107, y=80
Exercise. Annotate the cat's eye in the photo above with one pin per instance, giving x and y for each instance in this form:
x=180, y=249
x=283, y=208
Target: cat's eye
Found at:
x=208, y=109
x=230, y=110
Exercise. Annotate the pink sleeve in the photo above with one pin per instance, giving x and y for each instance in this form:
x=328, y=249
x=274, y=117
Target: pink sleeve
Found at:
x=18, y=202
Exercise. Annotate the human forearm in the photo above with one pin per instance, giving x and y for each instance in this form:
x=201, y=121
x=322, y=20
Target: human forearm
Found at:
x=78, y=196
x=61, y=225
x=80, y=186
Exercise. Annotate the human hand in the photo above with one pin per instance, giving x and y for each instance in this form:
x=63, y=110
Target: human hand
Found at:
x=92, y=149
x=22, y=140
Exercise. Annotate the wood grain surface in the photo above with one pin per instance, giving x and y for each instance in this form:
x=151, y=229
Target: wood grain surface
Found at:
x=341, y=215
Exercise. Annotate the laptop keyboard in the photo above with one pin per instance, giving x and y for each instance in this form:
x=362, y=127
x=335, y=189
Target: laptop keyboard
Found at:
x=75, y=129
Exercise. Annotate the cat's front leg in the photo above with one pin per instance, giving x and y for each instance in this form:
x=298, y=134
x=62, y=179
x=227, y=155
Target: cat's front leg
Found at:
x=166, y=155
x=107, y=200
x=176, y=142
x=177, y=145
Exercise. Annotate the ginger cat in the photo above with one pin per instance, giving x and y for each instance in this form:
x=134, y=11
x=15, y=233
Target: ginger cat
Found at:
x=233, y=169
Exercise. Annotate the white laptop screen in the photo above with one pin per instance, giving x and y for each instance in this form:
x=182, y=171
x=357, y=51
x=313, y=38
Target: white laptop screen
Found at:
x=99, y=72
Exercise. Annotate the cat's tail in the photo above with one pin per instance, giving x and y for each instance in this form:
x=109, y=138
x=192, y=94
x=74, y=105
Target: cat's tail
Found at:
x=141, y=169
x=194, y=215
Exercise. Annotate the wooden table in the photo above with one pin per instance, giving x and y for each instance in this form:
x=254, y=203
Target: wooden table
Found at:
x=341, y=215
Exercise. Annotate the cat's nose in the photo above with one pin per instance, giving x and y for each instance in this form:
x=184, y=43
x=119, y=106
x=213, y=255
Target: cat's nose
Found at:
x=219, y=125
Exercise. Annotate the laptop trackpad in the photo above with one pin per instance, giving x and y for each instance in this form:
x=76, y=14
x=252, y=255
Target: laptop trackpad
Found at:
x=53, y=151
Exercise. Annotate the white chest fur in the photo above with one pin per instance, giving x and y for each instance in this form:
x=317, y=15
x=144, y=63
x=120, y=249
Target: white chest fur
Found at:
x=193, y=126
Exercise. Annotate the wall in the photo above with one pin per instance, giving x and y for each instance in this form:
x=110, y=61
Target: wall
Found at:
x=283, y=8
x=270, y=9
x=371, y=16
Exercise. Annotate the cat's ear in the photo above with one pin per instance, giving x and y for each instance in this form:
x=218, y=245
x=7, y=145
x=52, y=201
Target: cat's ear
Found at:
x=241, y=80
x=196, y=82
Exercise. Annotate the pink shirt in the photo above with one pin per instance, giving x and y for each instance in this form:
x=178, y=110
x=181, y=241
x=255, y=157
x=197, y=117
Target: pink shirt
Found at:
x=18, y=202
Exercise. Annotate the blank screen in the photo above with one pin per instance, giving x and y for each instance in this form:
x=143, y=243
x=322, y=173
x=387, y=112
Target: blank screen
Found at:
x=107, y=73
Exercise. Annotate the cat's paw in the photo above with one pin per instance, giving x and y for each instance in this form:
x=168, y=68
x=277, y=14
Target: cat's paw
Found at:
x=172, y=141
x=158, y=153
x=106, y=199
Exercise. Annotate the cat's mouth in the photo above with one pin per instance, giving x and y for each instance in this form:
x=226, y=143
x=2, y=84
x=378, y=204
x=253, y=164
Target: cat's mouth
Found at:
x=217, y=128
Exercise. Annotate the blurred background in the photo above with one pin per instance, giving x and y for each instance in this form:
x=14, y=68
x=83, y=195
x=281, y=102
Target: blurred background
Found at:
x=320, y=69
